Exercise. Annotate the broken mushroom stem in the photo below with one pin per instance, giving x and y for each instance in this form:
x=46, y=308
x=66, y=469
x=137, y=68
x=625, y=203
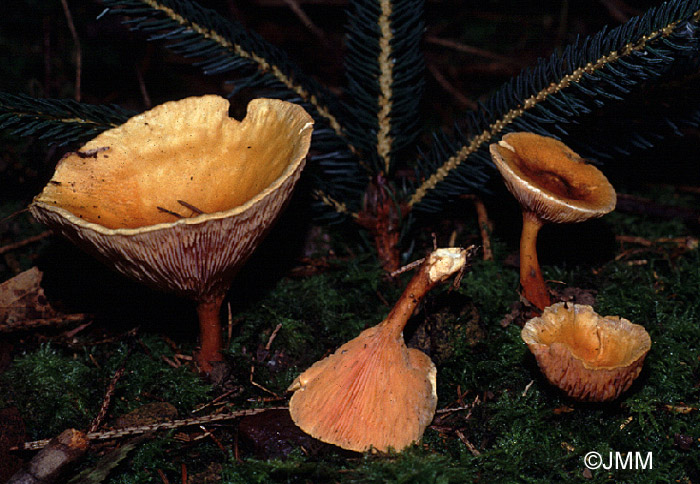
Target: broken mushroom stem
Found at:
x=533, y=285
x=437, y=267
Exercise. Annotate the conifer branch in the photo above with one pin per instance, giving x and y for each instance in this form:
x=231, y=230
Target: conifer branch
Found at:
x=384, y=67
x=167, y=425
x=60, y=121
x=386, y=78
x=587, y=75
x=224, y=45
x=339, y=207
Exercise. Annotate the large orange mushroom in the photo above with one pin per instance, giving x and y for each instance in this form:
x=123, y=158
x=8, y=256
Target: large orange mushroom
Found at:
x=374, y=393
x=552, y=184
x=590, y=357
x=178, y=197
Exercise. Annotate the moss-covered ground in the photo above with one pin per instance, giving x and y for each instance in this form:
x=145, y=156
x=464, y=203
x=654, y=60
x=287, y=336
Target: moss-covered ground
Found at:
x=510, y=424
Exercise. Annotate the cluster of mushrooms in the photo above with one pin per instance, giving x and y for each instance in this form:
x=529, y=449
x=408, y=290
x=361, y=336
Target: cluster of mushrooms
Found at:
x=591, y=358
x=178, y=197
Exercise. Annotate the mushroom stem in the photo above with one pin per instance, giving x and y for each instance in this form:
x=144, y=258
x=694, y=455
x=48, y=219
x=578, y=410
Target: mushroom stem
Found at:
x=209, y=333
x=531, y=280
x=438, y=266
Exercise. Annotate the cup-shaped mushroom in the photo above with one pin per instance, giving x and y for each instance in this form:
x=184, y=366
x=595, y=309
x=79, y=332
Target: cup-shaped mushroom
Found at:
x=552, y=183
x=590, y=357
x=179, y=196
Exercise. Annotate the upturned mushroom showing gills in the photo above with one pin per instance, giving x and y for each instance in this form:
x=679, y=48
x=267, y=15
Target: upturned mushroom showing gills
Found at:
x=590, y=357
x=178, y=197
x=552, y=184
x=374, y=393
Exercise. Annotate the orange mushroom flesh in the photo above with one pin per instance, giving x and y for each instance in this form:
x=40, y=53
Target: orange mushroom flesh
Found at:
x=591, y=358
x=374, y=393
x=178, y=197
x=552, y=184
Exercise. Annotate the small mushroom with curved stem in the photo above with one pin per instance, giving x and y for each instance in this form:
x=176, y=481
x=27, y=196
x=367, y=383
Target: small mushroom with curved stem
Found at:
x=590, y=357
x=178, y=197
x=552, y=184
x=374, y=393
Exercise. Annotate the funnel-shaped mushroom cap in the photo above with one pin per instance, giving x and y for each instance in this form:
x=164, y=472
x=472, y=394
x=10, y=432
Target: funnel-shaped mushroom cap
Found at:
x=179, y=196
x=551, y=180
x=590, y=357
x=372, y=393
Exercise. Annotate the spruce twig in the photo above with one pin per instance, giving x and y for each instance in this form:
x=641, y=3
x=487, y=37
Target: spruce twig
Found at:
x=586, y=75
x=142, y=429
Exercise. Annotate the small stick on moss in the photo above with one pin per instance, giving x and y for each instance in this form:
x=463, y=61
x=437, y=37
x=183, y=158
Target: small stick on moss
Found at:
x=485, y=227
x=273, y=336
x=163, y=477
x=255, y=384
x=109, y=393
x=217, y=399
x=475, y=452
x=142, y=429
x=210, y=434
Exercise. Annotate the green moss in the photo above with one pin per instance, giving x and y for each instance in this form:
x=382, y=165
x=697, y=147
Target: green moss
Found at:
x=523, y=428
x=50, y=389
x=148, y=378
x=492, y=288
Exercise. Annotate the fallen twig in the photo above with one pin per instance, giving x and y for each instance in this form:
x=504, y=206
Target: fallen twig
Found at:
x=109, y=393
x=463, y=101
x=25, y=242
x=485, y=228
x=42, y=322
x=142, y=429
x=475, y=452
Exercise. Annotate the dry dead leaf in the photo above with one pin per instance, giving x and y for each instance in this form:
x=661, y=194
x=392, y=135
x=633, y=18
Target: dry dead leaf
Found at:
x=23, y=304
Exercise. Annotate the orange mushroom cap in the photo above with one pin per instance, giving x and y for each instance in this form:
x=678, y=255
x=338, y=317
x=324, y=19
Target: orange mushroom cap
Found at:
x=374, y=393
x=118, y=197
x=590, y=357
x=550, y=179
